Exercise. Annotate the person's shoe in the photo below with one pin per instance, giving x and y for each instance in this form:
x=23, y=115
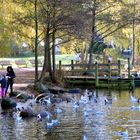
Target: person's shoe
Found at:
x=11, y=94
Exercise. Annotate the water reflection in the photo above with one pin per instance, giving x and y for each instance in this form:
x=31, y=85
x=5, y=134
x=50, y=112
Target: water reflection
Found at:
x=90, y=120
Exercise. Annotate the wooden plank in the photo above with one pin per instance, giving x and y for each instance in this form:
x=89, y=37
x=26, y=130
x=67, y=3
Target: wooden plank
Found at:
x=83, y=77
x=93, y=78
x=89, y=65
x=93, y=70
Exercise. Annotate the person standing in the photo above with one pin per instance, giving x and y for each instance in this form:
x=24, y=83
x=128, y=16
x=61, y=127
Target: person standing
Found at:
x=78, y=58
x=110, y=58
x=3, y=86
x=10, y=79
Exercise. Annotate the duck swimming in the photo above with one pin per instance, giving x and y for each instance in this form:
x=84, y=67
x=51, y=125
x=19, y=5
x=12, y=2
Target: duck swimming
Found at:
x=108, y=101
x=135, y=107
x=123, y=133
x=44, y=114
x=52, y=124
x=133, y=99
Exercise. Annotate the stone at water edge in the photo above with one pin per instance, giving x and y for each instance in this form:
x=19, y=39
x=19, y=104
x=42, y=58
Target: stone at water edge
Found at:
x=76, y=90
x=8, y=103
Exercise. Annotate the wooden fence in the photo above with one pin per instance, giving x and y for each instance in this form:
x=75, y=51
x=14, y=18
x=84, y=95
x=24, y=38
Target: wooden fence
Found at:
x=108, y=74
x=100, y=69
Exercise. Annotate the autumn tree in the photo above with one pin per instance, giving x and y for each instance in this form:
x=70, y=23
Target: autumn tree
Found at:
x=108, y=17
x=62, y=21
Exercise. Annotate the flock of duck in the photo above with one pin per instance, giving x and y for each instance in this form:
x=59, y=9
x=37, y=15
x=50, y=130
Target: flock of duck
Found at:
x=22, y=106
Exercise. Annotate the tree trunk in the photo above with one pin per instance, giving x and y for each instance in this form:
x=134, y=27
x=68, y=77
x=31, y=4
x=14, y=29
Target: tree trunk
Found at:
x=133, y=35
x=47, y=55
x=53, y=43
x=53, y=58
x=36, y=43
x=93, y=32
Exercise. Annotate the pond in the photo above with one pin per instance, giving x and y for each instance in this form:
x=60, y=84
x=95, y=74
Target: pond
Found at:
x=90, y=120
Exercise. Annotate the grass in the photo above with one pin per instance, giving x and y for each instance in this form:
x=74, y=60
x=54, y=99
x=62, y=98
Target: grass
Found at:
x=65, y=59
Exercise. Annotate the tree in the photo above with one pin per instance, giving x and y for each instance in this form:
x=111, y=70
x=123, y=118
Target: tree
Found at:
x=94, y=21
x=61, y=21
x=36, y=42
x=107, y=18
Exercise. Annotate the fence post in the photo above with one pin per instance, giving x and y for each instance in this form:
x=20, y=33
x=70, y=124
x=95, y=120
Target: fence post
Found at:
x=129, y=68
x=109, y=70
x=72, y=67
x=96, y=75
x=119, y=68
x=60, y=65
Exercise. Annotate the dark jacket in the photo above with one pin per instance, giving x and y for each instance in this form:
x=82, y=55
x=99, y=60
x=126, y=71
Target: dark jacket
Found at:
x=11, y=75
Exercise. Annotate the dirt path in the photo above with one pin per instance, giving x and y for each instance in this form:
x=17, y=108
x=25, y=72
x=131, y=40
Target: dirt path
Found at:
x=24, y=77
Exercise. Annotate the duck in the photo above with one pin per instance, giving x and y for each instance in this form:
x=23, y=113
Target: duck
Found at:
x=99, y=113
x=135, y=107
x=84, y=99
x=44, y=114
x=52, y=124
x=86, y=91
x=86, y=114
x=17, y=117
x=90, y=94
x=85, y=138
x=55, y=122
x=108, y=101
x=76, y=104
x=123, y=133
x=40, y=96
x=95, y=100
x=58, y=110
x=95, y=97
x=24, y=96
x=133, y=99
x=29, y=104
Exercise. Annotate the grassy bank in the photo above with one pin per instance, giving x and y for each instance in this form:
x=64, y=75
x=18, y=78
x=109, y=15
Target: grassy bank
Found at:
x=65, y=59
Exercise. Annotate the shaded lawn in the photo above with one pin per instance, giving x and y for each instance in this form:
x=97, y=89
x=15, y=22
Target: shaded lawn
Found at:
x=65, y=59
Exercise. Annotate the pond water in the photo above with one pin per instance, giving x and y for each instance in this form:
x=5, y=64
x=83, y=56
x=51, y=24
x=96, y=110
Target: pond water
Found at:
x=88, y=121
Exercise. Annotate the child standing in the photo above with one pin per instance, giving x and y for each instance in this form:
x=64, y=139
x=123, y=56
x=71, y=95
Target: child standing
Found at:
x=10, y=79
x=3, y=86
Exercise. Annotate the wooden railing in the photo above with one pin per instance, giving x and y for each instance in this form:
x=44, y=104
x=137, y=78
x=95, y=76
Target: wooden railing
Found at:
x=101, y=74
x=81, y=69
x=100, y=69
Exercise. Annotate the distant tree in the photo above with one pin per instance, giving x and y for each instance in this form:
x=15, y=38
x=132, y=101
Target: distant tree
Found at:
x=107, y=18
x=85, y=21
